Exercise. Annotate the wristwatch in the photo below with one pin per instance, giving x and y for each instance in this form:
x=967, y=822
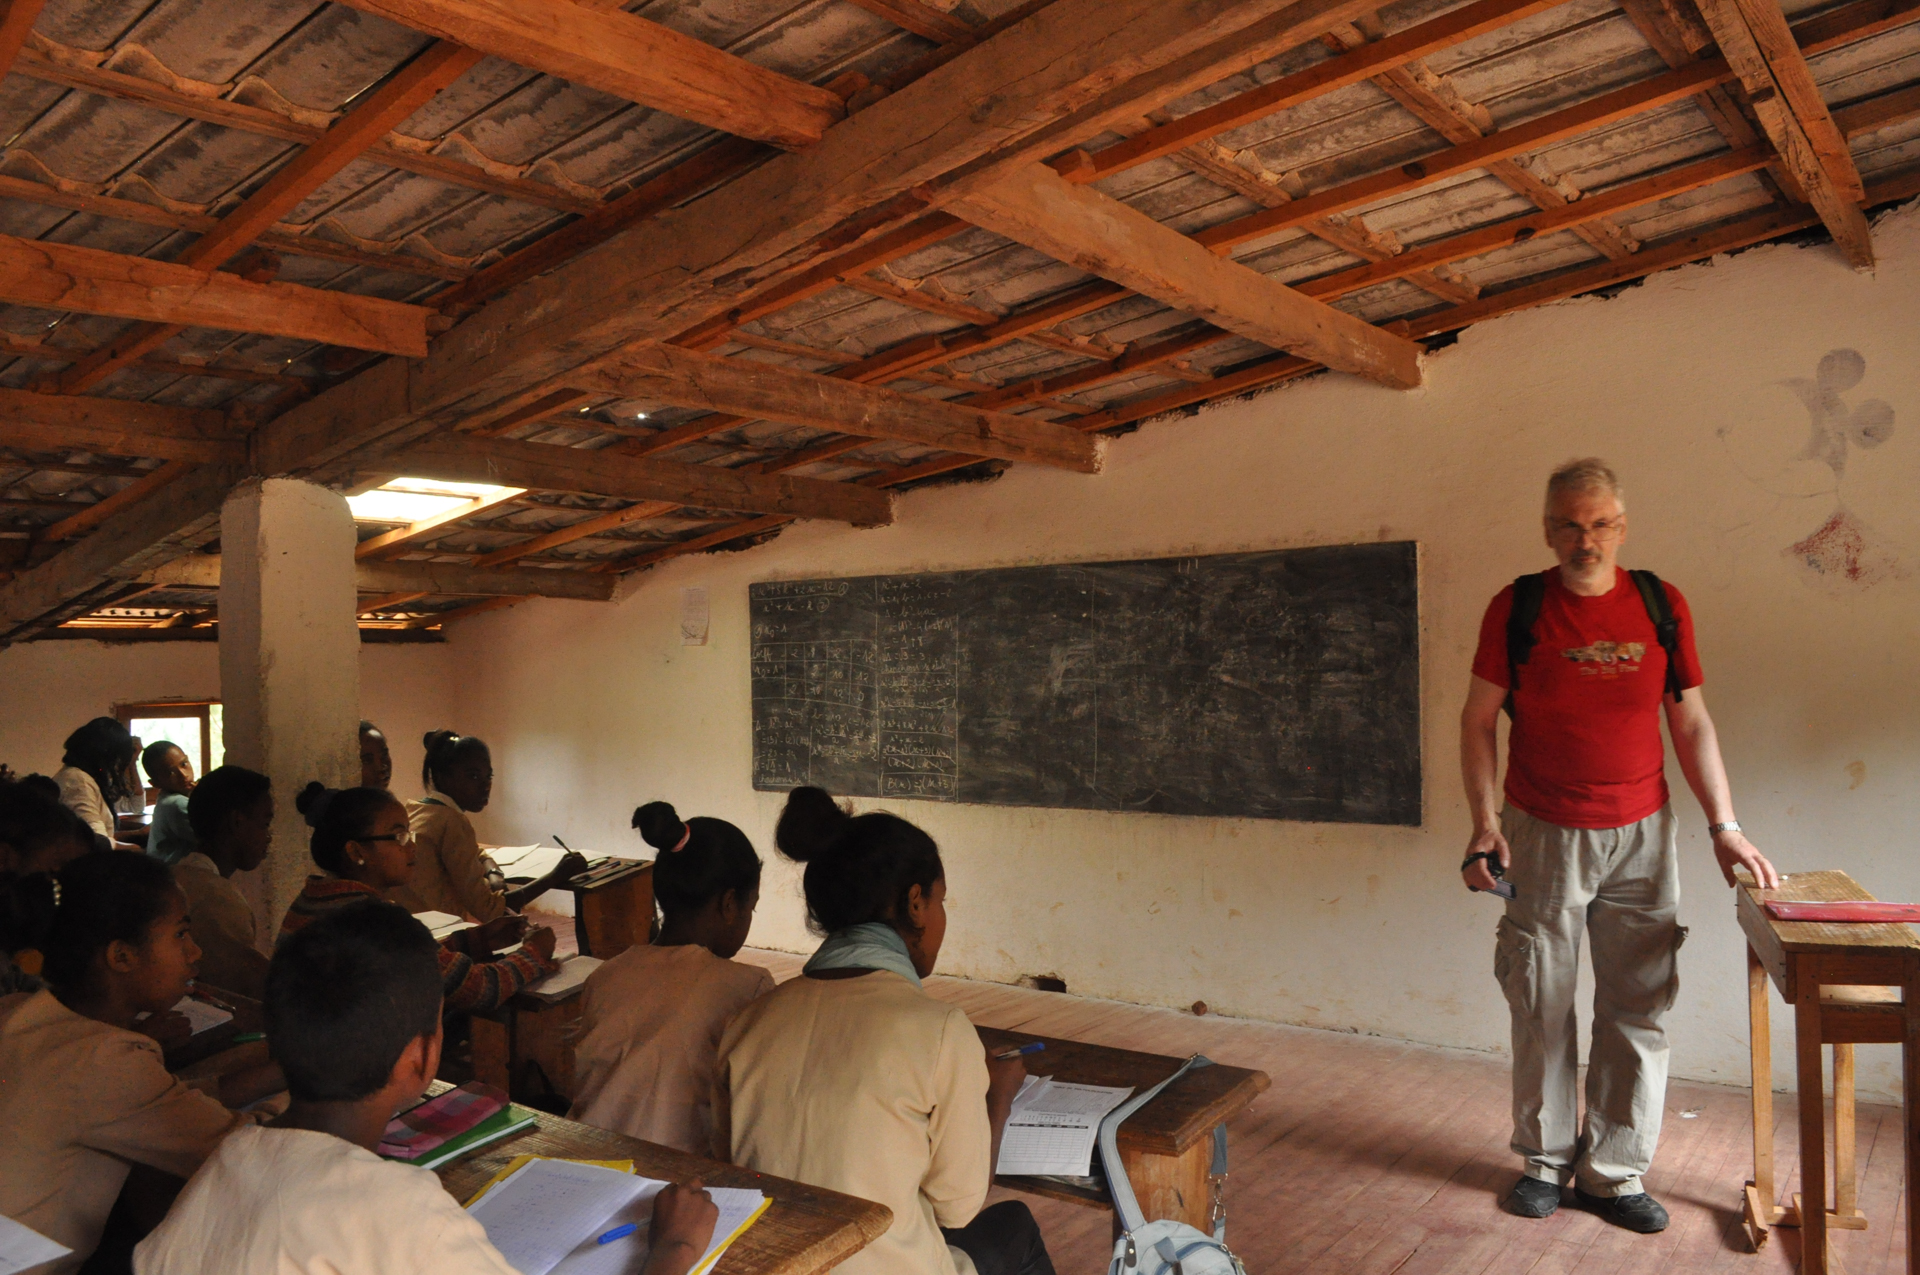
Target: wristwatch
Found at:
x=1731, y=825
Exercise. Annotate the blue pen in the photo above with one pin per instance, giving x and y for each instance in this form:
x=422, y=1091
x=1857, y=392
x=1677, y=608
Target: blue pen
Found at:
x=1034, y=1048
x=619, y=1233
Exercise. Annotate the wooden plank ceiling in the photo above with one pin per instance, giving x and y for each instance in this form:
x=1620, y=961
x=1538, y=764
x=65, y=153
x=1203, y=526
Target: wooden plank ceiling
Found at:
x=686, y=270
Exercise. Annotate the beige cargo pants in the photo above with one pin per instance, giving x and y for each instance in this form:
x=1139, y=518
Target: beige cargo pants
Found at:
x=1621, y=887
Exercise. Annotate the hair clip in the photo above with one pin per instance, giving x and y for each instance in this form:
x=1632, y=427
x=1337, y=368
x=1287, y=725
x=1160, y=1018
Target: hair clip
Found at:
x=56, y=890
x=686, y=835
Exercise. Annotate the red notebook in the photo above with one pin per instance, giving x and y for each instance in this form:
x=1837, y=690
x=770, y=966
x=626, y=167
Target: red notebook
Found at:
x=1852, y=910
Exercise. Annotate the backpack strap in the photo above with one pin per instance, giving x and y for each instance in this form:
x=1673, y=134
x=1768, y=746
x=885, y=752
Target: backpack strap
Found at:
x=1529, y=592
x=1126, y=1206
x=1666, y=625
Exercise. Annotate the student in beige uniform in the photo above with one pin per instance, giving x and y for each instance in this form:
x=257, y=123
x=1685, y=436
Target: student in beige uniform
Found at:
x=651, y=1018
x=376, y=760
x=95, y=772
x=851, y=1077
x=82, y=1095
x=353, y=1015
x=452, y=874
x=231, y=811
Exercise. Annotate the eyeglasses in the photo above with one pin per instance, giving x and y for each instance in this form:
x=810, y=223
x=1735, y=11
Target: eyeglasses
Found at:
x=1603, y=531
x=404, y=838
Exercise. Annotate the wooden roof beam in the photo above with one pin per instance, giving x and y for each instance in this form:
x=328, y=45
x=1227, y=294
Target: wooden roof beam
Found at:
x=1038, y=207
x=688, y=378
x=632, y=58
x=1754, y=38
x=388, y=543
x=116, y=427
x=538, y=466
x=57, y=276
x=422, y=579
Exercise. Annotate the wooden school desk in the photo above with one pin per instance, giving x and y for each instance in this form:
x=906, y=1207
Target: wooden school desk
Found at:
x=613, y=907
x=808, y=1229
x=1167, y=1146
x=1848, y=984
x=527, y=1030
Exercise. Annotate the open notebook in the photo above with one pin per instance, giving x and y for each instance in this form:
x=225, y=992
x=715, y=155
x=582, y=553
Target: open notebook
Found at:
x=547, y=1217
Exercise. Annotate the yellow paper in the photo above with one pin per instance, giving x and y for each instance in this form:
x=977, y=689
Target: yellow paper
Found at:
x=513, y=1166
x=738, y=1231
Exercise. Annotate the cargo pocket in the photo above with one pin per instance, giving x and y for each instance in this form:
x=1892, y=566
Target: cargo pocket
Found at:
x=1513, y=966
x=1673, y=975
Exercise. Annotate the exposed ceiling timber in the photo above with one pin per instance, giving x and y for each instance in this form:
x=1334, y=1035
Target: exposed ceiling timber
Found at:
x=423, y=579
x=115, y=427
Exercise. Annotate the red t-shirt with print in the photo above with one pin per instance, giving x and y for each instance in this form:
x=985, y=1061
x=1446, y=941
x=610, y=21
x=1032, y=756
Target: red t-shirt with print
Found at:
x=1585, y=750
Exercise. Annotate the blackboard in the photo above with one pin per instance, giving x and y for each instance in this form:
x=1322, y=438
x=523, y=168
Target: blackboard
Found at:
x=1274, y=685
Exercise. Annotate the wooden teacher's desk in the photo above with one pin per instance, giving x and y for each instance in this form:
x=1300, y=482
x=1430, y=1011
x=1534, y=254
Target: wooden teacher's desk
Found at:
x=1167, y=1146
x=1848, y=984
x=806, y=1230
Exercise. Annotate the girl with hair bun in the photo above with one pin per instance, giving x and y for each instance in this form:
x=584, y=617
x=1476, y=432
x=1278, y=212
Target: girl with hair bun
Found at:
x=365, y=850
x=452, y=874
x=651, y=1017
x=83, y=1096
x=851, y=1077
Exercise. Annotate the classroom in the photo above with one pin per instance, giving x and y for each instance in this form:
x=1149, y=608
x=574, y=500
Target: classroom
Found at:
x=1049, y=808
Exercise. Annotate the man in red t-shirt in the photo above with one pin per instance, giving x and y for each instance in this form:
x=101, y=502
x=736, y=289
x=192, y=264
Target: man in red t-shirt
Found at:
x=1586, y=837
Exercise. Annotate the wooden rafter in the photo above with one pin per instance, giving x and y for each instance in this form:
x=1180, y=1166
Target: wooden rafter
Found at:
x=422, y=579
x=16, y=20
x=688, y=378
x=632, y=58
x=115, y=427
x=598, y=525
x=1754, y=38
x=1038, y=207
x=56, y=276
x=388, y=543
x=537, y=466
x=388, y=106
x=80, y=523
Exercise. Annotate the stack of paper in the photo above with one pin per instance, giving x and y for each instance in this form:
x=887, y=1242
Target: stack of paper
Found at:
x=546, y=1218
x=565, y=981
x=1054, y=1126
x=21, y=1247
x=526, y=863
x=441, y=924
x=200, y=1016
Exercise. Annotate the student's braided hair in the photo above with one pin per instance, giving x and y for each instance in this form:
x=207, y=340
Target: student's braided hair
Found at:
x=444, y=748
x=859, y=867
x=700, y=859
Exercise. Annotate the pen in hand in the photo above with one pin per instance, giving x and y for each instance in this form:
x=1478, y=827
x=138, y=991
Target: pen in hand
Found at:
x=618, y=1232
x=1034, y=1048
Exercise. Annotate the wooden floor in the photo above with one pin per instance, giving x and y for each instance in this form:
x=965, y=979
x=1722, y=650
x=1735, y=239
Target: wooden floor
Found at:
x=1373, y=1157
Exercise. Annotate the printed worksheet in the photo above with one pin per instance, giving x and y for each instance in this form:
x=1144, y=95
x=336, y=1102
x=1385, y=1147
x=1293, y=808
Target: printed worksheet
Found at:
x=1054, y=1127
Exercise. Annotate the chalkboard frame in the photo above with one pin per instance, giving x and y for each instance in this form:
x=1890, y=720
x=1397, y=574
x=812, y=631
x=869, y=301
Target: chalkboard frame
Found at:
x=1309, y=710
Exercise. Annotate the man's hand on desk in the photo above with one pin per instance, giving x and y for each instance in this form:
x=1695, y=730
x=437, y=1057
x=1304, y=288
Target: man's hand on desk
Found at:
x=1733, y=850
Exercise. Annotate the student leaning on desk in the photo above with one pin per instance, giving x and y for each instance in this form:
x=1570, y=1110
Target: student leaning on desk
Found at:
x=452, y=872
x=1584, y=656
x=353, y=1015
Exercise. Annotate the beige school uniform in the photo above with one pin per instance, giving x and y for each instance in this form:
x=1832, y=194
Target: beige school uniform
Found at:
x=871, y=1087
x=449, y=872
x=222, y=926
x=79, y=1102
x=297, y=1202
x=80, y=794
x=650, y=1025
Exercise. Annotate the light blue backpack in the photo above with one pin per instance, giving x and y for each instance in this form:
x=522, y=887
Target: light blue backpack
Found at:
x=1163, y=1248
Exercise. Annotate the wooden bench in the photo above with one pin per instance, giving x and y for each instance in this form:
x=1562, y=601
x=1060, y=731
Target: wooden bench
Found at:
x=1848, y=984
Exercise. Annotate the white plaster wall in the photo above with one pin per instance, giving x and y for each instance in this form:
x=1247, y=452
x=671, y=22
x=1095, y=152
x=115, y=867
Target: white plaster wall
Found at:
x=1681, y=383
x=48, y=688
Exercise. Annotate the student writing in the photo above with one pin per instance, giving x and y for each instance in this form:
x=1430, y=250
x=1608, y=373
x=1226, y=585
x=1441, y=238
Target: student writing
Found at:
x=353, y=1016
x=452, y=873
x=362, y=843
x=651, y=1018
x=82, y=1095
x=851, y=1077
x=231, y=812
x=170, y=839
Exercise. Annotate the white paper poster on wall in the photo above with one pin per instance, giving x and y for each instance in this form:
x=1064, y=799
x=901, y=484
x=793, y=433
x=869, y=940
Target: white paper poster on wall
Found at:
x=694, y=615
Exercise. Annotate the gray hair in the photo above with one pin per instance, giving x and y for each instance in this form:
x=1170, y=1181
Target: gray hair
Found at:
x=1588, y=474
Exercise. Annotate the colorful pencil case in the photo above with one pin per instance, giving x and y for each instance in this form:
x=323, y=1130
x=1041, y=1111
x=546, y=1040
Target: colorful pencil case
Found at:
x=1854, y=910
x=412, y=1134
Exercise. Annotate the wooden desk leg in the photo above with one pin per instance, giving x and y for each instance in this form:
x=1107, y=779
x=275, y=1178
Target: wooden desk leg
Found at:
x=492, y=1038
x=1844, y=1194
x=1762, y=1214
x=1813, y=1121
x=1910, y=1080
x=1173, y=1186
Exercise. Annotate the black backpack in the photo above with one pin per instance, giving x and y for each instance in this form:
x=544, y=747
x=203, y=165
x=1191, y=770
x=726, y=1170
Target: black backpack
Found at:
x=1530, y=591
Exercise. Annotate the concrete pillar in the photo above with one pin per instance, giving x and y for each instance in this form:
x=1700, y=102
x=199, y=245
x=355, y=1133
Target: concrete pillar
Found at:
x=289, y=661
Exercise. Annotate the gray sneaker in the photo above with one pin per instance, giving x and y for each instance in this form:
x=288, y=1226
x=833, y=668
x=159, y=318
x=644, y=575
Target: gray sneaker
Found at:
x=1532, y=1197
x=1639, y=1212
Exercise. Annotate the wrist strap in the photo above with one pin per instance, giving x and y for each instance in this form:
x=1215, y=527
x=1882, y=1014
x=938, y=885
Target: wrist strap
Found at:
x=1471, y=859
